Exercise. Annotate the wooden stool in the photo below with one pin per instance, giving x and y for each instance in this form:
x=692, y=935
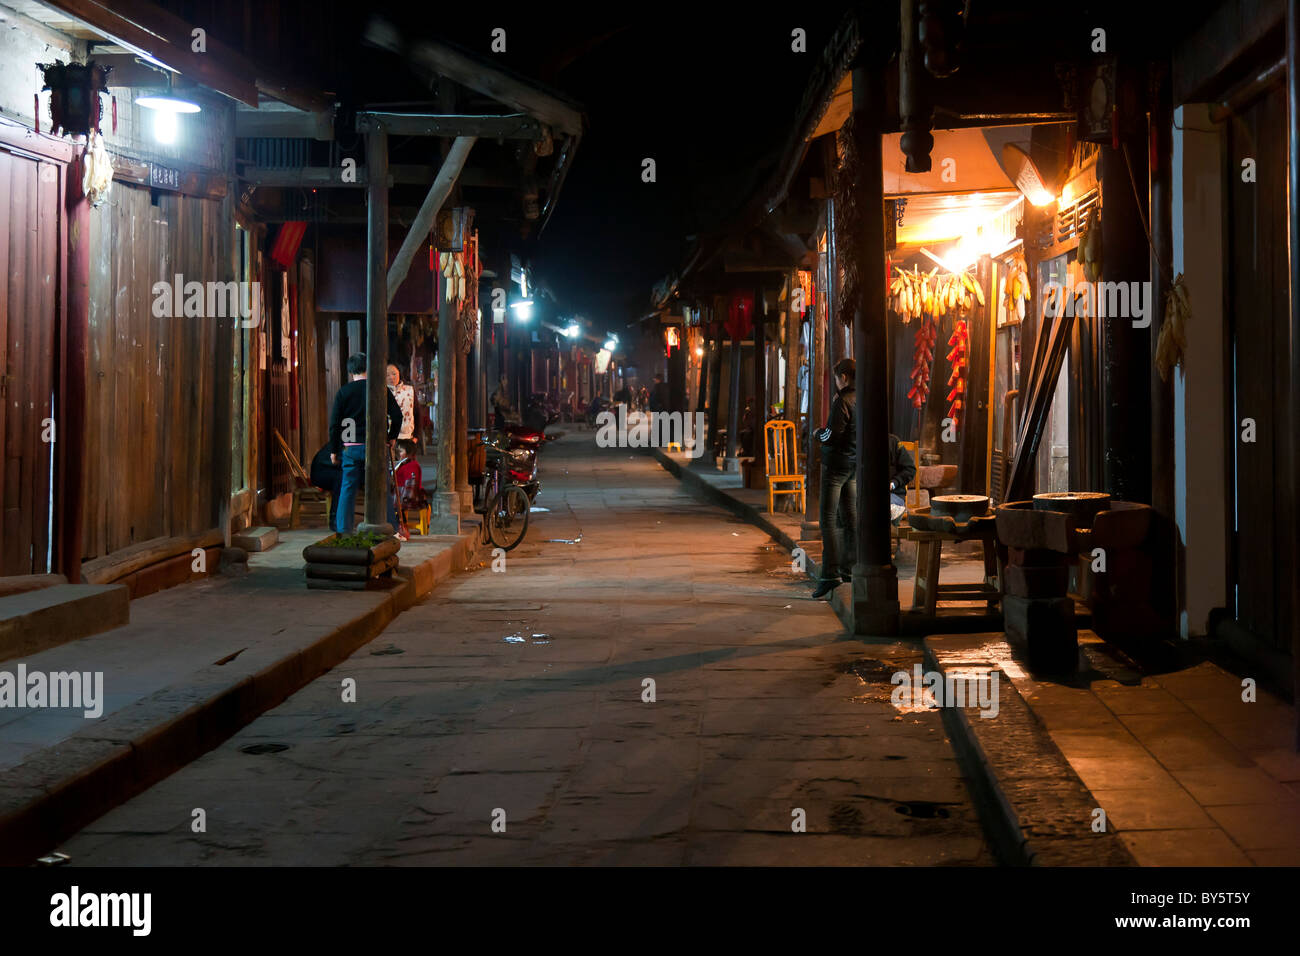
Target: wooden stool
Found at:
x=310, y=505
x=927, y=591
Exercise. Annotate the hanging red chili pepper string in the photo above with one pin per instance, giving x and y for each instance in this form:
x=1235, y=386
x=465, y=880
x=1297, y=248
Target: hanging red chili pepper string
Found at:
x=958, y=358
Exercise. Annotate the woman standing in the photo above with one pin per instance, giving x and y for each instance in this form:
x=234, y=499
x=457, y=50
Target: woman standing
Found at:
x=405, y=395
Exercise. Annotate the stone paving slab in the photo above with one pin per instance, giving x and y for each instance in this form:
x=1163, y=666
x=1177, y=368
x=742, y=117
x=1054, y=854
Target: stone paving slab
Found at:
x=757, y=711
x=1188, y=773
x=195, y=663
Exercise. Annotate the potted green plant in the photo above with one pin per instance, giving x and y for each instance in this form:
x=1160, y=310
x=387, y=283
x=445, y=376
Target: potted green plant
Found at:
x=350, y=561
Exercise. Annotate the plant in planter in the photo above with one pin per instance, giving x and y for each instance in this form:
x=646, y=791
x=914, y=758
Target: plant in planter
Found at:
x=350, y=561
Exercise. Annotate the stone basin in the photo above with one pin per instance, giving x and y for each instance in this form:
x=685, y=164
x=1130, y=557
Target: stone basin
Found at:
x=961, y=508
x=1079, y=505
x=1029, y=525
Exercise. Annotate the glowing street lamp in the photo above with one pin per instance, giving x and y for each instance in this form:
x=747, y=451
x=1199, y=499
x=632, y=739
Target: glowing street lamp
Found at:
x=166, y=108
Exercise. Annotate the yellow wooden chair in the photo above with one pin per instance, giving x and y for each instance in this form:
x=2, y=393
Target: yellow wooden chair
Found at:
x=913, y=496
x=418, y=523
x=779, y=446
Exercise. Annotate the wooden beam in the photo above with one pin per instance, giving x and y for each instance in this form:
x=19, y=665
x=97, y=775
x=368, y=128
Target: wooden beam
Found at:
x=378, y=298
x=294, y=124
x=420, y=229
x=206, y=184
x=432, y=124
x=165, y=38
x=321, y=177
x=132, y=558
x=477, y=75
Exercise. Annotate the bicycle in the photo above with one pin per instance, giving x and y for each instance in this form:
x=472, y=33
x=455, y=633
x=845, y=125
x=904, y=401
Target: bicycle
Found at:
x=505, y=504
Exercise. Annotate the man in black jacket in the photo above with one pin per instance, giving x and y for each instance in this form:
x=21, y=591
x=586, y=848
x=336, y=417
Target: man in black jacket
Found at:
x=839, y=487
x=348, y=440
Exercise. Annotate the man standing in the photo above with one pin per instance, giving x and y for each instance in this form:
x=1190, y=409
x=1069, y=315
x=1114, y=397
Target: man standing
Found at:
x=348, y=440
x=839, y=486
x=659, y=395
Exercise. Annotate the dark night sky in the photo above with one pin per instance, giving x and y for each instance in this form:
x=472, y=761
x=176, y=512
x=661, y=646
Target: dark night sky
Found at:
x=710, y=94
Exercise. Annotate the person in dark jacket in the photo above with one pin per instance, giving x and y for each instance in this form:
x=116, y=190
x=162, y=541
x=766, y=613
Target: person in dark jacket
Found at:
x=839, y=485
x=327, y=476
x=348, y=440
x=659, y=395
x=902, y=470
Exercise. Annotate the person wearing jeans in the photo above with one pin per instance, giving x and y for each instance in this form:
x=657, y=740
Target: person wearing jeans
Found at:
x=839, y=484
x=348, y=441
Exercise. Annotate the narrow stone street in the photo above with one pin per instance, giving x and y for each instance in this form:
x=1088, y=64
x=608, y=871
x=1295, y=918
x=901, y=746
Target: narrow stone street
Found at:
x=507, y=719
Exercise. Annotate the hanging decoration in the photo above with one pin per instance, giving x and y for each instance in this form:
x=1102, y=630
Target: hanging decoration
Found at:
x=917, y=293
x=809, y=290
x=958, y=358
x=460, y=272
x=672, y=339
x=75, y=88
x=740, y=315
x=1015, y=289
x=923, y=361
x=1172, y=342
x=98, y=177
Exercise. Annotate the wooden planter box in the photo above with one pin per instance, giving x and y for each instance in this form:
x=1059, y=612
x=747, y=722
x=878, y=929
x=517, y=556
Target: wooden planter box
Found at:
x=349, y=569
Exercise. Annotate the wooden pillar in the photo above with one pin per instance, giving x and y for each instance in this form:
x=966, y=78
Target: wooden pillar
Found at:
x=702, y=389
x=875, y=580
x=793, y=320
x=1126, y=353
x=462, y=424
x=377, y=332
x=1162, y=535
x=474, y=370
x=731, y=462
x=715, y=390
x=70, y=436
x=446, y=518
x=759, y=468
x=1293, y=243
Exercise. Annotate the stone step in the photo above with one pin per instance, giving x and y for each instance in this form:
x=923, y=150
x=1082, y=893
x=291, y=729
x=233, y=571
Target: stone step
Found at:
x=256, y=539
x=36, y=620
x=21, y=583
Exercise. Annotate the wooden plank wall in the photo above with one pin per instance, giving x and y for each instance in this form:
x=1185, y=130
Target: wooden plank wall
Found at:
x=318, y=364
x=1257, y=275
x=151, y=402
x=29, y=280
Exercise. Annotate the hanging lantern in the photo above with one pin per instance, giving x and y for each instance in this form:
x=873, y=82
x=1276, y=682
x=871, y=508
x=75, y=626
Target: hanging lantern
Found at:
x=75, y=107
x=673, y=338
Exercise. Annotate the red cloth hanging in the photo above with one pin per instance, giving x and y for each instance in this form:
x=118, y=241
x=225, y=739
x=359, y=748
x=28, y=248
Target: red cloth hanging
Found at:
x=740, y=314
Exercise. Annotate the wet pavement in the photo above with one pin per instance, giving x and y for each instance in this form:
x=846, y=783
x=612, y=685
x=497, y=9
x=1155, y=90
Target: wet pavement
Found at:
x=646, y=681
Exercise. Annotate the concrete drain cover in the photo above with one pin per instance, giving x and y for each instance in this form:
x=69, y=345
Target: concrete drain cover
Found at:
x=258, y=749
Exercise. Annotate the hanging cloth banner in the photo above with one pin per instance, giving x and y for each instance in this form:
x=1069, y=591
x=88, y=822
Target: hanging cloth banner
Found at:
x=740, y=315
x=809, y=292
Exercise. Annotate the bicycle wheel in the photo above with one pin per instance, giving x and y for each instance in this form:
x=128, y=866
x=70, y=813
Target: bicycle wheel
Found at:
x=507, y=517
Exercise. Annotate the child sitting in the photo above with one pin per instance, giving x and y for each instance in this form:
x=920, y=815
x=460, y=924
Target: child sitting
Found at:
x=410, y=477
